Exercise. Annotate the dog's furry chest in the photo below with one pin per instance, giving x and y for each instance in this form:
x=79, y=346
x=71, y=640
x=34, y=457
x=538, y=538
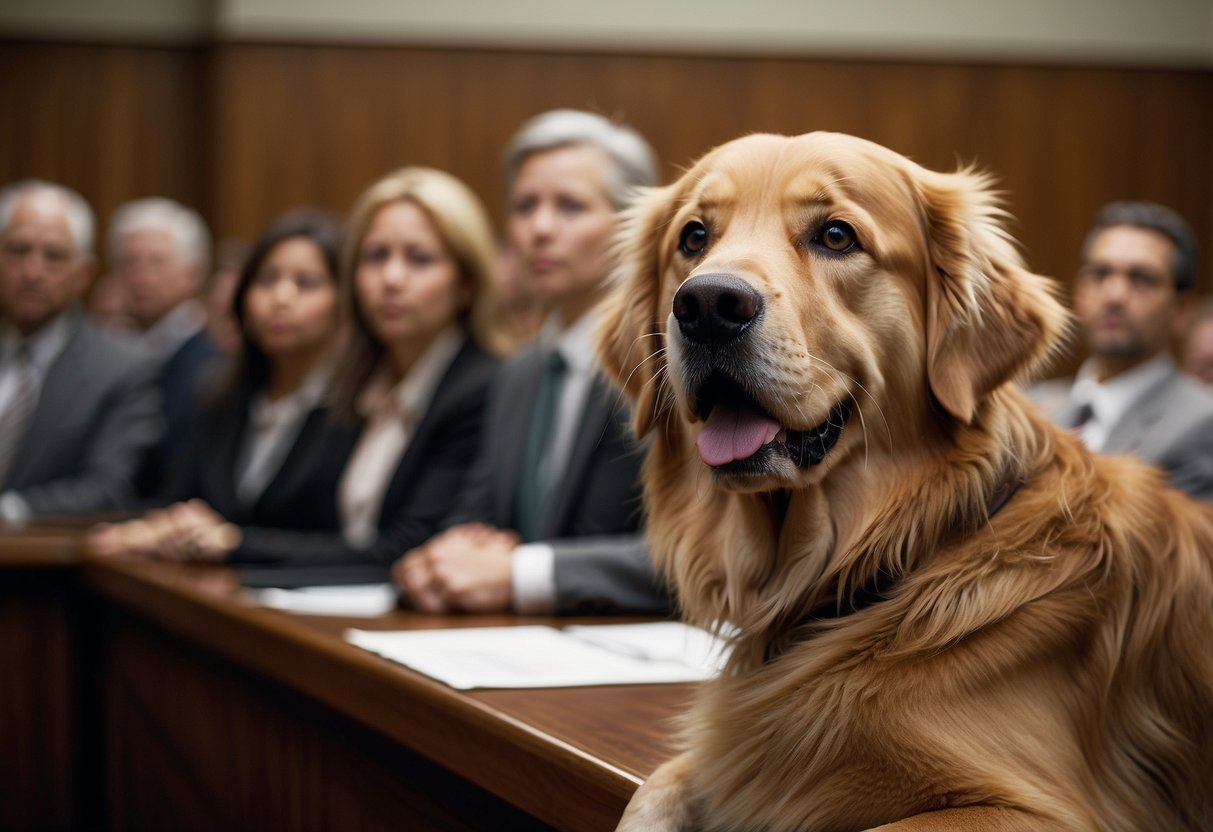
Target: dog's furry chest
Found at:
x=847, y=731
x=795, y=738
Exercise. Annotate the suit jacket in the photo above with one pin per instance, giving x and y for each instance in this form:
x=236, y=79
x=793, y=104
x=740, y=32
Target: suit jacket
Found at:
x=420, y=493
x=98, y=413
x=1170, y=425
x=178, y=383
x=601, y=563
x=300, y=495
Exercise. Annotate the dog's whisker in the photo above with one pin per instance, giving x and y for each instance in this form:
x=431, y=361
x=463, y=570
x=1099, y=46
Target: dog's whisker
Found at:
x=853, y=382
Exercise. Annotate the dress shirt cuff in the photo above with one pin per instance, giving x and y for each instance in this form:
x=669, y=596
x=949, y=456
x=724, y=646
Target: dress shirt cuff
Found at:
x=533, y=569
x=15, y=512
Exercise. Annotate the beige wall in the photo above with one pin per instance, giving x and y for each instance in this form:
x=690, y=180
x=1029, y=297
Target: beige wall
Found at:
x=1124, y=32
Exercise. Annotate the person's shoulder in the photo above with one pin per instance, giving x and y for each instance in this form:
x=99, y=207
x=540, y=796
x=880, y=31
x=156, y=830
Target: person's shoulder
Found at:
x=472, y=358
x=101, y=346
x=1052, y=395
x=1188, y=394
x=197, y=350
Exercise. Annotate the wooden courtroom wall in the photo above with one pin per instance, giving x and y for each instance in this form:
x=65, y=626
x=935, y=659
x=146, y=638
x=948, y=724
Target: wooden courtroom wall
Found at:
x=113, y=122
x=246, y=130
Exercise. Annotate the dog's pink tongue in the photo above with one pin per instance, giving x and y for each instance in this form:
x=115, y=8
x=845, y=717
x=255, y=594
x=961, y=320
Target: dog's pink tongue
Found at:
x=730, y=435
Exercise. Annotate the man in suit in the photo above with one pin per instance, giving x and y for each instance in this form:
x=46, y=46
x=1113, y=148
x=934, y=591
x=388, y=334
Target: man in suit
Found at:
x=78, y=408
x=1133, y=297
x=159, y=251
x=550, y=518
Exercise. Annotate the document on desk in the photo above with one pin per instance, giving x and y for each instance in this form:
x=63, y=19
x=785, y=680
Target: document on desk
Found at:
x=355, y=600
x=547, y=657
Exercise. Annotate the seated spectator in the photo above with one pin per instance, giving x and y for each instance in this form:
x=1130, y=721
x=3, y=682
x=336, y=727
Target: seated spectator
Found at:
x=78, y=405
x=550, y=518
x=1133, y=297
x=1198, y=345
x=414, y=375
x=159, y=252
x=260, y=452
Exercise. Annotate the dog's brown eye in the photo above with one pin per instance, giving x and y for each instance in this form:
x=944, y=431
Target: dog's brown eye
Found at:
x=694, y=238
x=837, y=236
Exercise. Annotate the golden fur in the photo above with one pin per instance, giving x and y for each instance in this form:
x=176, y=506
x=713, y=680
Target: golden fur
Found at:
x=1047, y=667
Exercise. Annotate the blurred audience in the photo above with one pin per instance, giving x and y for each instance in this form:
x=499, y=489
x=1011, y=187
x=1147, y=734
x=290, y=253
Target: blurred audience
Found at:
x=1198, y=345
x=78, y=405
x=550, y=517
x=260, y=452
x=410, y=384
x=159, y=251
x=1134, y=296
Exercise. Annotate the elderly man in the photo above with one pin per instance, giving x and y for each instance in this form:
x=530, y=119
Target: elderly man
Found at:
x=159, y=251
x=78, y=406
x=1134, y=296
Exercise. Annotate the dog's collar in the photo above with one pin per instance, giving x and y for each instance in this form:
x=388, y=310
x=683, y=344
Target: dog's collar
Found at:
x=878, y=589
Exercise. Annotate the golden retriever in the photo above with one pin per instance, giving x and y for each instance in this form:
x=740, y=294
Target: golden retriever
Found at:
x=950, y=616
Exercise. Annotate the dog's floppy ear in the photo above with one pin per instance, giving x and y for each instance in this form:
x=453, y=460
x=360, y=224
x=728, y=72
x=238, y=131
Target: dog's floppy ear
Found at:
x=631, y=338
x=989, y=319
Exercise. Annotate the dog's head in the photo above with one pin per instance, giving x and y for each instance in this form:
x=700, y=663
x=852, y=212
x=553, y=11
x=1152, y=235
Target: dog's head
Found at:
x=791, y=303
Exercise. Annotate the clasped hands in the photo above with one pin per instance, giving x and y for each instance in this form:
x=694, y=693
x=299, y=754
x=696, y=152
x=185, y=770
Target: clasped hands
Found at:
x=189, y=531
x=467, y=568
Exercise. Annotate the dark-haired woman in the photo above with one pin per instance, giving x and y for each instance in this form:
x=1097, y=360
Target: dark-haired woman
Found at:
x=262, y=451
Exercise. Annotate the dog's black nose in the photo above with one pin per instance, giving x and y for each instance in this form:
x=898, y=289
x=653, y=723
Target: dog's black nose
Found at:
x=714, y=309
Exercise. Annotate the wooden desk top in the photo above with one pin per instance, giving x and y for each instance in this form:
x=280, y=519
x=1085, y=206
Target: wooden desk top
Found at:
x=40, y=547
x=571, y=757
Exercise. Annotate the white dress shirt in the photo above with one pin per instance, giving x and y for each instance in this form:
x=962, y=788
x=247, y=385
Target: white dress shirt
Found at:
x=392, y=414
x=1111, y=399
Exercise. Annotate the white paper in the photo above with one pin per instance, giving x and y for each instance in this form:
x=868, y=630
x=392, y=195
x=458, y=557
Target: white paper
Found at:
x=545, y=657
x=355, y=600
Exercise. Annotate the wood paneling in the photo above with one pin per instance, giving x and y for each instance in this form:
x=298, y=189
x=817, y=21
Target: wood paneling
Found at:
x=156, y=696
x=248, y=130
x=113, y=122
x=561, y=757
x=195, y=743
x=38, y=687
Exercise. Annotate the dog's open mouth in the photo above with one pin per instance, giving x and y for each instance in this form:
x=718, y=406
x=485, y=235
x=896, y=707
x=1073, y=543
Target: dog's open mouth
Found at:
x=738, y=433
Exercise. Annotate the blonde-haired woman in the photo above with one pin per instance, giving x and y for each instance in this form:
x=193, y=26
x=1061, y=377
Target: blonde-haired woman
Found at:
x=418, y=282
x=423, y=347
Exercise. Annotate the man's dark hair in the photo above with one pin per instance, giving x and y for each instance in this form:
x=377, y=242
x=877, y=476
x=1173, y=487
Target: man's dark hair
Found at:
x=1158, y=218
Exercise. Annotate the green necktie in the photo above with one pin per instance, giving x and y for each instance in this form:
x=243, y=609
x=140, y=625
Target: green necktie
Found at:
x=530, y=508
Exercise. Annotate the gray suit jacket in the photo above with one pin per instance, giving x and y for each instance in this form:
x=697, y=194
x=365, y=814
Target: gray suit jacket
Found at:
x=97, y=415
x=602, y=563
x=1170, y=426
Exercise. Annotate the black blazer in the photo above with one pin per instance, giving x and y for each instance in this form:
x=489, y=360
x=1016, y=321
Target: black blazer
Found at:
x=302, y=493
x=422, y=489
x=601, y=564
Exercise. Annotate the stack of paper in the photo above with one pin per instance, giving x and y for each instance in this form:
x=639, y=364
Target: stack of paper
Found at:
x=543, y=657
